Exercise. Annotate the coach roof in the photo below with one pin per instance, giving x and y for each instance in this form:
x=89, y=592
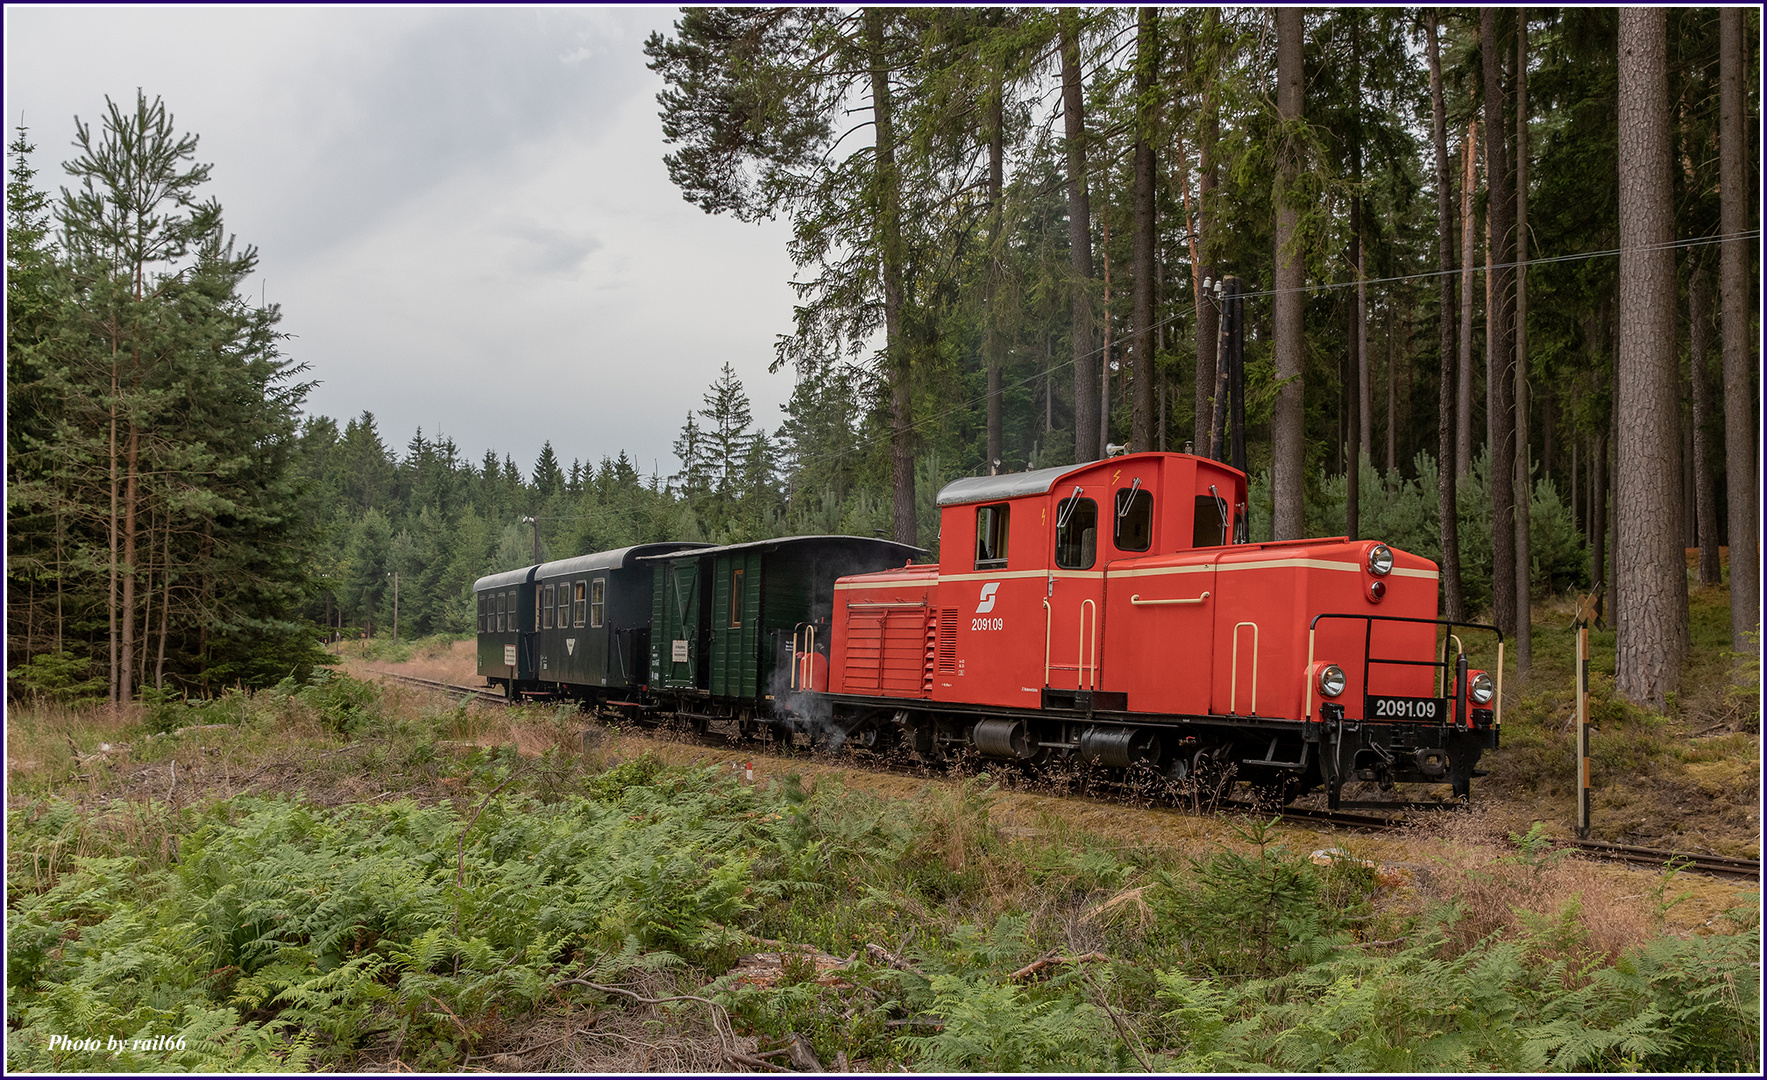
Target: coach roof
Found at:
x=618, y=559
x=904, y=550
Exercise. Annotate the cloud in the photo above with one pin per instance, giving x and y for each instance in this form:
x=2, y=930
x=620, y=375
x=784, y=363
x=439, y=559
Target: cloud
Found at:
x=463, y=212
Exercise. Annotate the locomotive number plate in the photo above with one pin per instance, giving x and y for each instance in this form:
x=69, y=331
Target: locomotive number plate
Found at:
x=1430, y=710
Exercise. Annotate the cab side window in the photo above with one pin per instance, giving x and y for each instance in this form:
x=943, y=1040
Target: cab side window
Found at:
x=991, y=534
x=1076, y=534
x=1134, y=529
x=1212, y=519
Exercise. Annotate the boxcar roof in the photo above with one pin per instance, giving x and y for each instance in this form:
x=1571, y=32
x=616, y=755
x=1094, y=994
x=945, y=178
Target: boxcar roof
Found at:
x=618, y=559
x=508, y=577
x=906, y=551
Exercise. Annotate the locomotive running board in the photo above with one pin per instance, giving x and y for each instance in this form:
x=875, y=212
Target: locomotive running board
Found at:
x=1306, y=749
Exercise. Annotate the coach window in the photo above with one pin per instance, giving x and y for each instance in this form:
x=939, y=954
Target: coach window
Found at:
x=580, y=603
x=546, y=606
x=1076, y=534
x=481, y=613
x=1134, y=529
x=497, y=613
x=736, y=598
x=597, y=601
x=991, y=536
x=564, y=606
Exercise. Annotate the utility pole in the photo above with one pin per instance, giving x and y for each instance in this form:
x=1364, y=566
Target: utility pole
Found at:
x=535, y=522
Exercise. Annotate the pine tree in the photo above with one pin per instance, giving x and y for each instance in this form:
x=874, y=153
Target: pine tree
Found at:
x=1651, y=579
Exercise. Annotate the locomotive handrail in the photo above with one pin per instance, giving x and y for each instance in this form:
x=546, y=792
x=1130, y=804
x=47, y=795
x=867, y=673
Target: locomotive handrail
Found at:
x=1368, y=622
x=1087, y=670
x=885, y=604
x=1135, y=598
x=1233, y=698
x=1047, y=614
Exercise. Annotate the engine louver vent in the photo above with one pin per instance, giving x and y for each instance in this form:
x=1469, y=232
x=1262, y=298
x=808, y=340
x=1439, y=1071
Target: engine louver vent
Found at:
x=948, y=641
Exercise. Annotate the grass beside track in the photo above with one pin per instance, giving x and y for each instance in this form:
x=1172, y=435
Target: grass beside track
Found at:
x=346, y=876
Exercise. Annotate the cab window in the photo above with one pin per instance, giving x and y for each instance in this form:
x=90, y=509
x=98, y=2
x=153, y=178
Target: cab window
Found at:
x=1211, y=522
x=1134, y=530
x=991, y=536
x=597, y=601
x=1076, y=534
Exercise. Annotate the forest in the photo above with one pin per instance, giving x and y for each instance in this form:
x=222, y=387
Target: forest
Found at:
x=1498, y=271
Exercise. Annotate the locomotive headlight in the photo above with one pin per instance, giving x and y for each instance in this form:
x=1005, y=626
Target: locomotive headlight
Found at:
x=1331, y=680
x=1480, y=688
x=1380, y=560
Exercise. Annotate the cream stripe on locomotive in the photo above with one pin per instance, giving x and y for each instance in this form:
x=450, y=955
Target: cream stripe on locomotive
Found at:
x=1149, y=571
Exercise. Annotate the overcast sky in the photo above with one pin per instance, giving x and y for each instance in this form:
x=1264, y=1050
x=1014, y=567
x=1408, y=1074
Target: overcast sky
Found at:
x=464, y=213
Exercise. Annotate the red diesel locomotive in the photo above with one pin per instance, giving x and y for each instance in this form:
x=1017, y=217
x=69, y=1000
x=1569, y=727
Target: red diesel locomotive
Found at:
x=1105, y=613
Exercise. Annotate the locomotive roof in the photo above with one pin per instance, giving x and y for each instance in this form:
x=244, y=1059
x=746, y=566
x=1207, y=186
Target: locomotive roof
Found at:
x=508, y=577
x=976, y=489
x=1006, y=486
x=617, y=559
x=904, y=550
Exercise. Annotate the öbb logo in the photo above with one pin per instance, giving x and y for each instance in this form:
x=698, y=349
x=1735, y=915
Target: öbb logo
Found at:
x=987, y=603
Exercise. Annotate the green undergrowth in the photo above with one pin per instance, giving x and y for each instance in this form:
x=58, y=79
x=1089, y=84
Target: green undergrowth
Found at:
x=1692, y=768
x=276, y=934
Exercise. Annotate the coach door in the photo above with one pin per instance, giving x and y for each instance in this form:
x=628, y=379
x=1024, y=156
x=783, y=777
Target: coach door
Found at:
x=676, y=644
x=1074, y=605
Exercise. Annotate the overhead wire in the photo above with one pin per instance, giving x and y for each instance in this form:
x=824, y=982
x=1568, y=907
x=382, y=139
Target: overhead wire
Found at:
x=1060, y=365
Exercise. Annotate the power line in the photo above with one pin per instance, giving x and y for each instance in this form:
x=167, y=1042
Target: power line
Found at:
x=1688, y=242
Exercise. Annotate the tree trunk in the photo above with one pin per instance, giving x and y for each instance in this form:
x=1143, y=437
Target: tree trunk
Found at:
x=112, y=526
x=1463, y=433
x=1359, y=259
x=890, y=229
x=1499, y=331
x=1392, y=400
x=1207, y=182
x=1287, y=315
x=1524, y=487
x=159, y=664
x=1353, y=371
x=1146, y=120
x=1699, y=318
x=1104, y=384
x=1598, y=573
x=995, y=339
x=126, y=614
x=1086, y=359
x=1651, y=580
x=1734, y=300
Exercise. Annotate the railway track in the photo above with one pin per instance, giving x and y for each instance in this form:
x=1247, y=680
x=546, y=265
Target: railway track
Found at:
x=478, y=692
x=1685, y=862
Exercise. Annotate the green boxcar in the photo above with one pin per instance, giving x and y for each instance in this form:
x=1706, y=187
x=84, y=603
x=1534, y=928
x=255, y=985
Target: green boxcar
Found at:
x=723, y=619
